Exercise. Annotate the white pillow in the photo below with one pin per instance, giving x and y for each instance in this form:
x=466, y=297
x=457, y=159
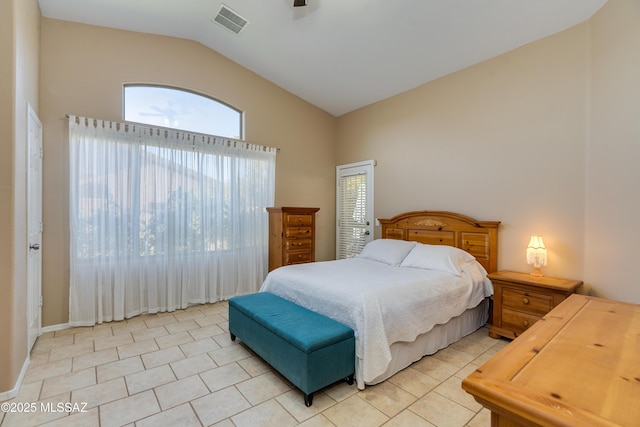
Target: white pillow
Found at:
x=437, y=257
x=389, y=251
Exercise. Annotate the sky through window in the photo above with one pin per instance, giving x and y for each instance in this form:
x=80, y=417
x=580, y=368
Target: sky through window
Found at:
x=181, y=109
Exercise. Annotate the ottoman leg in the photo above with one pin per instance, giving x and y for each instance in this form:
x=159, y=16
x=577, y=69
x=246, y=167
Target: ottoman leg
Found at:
x=308, y=399
x=233, y=337
x=349, y=379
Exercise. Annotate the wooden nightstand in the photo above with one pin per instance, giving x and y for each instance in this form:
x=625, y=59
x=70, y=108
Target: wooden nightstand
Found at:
x=520, y=300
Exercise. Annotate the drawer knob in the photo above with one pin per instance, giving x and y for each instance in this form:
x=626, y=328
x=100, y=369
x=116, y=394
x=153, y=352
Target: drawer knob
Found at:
x=525, y=300
x=525, y=323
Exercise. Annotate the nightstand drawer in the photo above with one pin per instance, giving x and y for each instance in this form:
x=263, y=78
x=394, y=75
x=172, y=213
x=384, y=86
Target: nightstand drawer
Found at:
x=517, y=321
x=526, y=300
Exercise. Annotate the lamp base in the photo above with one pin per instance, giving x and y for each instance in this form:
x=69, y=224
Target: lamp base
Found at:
x=537, y=272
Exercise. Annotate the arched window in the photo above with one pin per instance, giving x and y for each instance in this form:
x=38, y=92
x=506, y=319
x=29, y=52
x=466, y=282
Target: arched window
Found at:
x=181, y=109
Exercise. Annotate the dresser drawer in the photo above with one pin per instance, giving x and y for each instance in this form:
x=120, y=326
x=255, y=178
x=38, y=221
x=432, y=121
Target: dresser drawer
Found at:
x=297, y=232
x=296, y=257
x=526, y=300
x=517, y=321
x=297, y=244
x=296, y=220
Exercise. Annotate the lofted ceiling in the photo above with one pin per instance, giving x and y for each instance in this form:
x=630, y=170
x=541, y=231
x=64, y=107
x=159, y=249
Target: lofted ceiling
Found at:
x=341, y=55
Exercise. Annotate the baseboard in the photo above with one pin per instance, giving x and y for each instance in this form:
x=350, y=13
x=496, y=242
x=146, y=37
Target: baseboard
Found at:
x=54, y=328
x=6, y=395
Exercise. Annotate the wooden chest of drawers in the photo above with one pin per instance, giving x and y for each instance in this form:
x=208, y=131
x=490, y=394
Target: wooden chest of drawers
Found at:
x=520, y=300
x=579, y=367
x=291, y=236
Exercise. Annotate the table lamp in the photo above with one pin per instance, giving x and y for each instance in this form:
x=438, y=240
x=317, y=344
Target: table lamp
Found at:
x=536, y=255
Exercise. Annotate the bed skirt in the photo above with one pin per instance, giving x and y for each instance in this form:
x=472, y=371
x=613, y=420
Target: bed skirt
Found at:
x=405, y=353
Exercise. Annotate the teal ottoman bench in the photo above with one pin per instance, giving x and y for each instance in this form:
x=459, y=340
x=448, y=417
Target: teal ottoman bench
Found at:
x=311, y=350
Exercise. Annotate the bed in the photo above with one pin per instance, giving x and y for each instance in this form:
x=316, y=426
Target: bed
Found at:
x=417, y=289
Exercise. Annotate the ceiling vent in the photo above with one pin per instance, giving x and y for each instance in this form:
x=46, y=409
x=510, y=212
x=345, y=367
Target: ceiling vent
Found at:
x=229, y=19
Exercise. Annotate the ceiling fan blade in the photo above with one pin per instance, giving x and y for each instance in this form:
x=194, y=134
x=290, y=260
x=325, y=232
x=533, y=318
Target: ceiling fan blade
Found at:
x=297, y=3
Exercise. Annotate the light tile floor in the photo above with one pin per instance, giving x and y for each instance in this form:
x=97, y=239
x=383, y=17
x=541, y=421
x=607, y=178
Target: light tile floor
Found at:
x=182, y=369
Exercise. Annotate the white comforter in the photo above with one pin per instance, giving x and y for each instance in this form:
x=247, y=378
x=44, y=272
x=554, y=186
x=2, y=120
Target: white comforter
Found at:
x=381, y=303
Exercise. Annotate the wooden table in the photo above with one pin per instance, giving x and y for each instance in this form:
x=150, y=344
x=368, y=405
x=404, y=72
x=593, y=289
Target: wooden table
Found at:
x=578, y=366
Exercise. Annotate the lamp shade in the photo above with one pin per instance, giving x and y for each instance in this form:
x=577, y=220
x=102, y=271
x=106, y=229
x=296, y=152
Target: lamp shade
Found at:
x=536, y=254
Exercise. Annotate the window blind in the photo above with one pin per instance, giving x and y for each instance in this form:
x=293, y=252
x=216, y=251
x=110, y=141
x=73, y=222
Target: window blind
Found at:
x=352, y=217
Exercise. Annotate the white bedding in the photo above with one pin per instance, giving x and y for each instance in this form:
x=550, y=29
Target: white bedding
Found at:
x=383, y=304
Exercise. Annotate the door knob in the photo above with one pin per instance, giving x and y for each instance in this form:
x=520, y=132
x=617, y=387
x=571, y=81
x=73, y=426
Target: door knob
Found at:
x=34, y=246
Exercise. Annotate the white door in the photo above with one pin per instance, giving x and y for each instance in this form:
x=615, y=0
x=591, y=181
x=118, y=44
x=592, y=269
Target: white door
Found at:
x=354, y=208
x=34, y=224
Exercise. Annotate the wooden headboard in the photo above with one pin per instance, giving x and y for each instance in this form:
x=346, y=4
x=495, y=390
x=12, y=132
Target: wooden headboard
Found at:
x=479, y=238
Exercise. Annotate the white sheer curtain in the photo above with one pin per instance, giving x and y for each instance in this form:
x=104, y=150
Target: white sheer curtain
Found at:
x=161, y=219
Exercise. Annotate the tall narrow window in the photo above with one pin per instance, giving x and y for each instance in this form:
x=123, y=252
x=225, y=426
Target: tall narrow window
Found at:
x=180, y=109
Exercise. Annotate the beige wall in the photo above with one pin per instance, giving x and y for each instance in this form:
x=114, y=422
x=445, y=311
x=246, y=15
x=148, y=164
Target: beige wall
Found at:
x=545, y=138
x=83, y=70
x=613, y=156
x=502, y=140
x=7, y=77
x=19, y=48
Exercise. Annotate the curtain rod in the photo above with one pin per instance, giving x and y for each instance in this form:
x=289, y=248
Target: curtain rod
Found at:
x=162, y=128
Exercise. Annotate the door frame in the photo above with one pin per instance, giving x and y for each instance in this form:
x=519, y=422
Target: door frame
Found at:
x=34, y=236
x=363, y=167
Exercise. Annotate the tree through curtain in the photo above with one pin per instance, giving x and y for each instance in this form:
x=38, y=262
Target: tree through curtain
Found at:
x=161, y=219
